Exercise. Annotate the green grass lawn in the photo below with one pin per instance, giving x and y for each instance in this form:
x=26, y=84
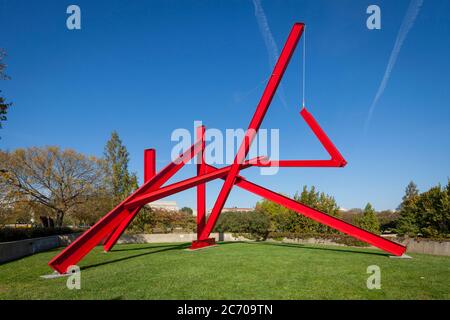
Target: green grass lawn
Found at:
x=231, y=271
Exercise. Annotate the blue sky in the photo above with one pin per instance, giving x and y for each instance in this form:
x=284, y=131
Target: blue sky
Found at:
x=147, y=68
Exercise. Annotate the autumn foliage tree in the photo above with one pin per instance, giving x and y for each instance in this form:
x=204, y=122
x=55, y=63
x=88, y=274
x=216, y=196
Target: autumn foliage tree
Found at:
x=59, y=180
x=3, y=104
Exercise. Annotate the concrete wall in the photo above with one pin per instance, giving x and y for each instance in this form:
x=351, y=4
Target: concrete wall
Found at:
x=438, y=248
x=174, y=237
x=17, y=249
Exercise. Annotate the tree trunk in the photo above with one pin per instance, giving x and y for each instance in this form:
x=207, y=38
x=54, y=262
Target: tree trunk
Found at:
x=59, y=218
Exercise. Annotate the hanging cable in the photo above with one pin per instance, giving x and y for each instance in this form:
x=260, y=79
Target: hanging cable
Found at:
x=304, y=66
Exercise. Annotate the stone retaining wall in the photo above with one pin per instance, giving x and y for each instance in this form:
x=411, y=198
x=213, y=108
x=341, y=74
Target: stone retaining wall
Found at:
x=17, y=249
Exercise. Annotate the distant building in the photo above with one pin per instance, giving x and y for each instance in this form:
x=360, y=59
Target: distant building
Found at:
x=234, y=209
x=164, y=205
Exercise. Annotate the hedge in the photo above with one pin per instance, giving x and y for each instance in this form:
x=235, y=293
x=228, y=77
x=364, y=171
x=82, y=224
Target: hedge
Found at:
x=14, y=234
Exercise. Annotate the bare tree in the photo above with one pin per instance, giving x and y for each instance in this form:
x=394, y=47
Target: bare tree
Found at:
x=3, y=104
x=58, y=179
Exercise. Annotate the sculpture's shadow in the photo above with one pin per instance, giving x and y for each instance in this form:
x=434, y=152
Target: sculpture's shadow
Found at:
x=154, y=249
x=148, y=250
x=302, y=246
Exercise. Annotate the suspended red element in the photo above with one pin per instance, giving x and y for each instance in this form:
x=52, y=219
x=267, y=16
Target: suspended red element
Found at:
x=112, y=225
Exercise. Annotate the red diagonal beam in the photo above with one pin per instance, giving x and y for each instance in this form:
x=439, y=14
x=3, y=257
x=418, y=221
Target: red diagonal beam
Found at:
x=322, y=136
x=255, y=123
x=316, y=215
x=201, y=188
x=106, y=225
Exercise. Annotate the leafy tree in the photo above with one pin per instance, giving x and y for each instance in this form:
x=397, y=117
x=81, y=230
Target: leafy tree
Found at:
x=280, y=217
x=433, y=212
x=368, y=220
x=426, y=214
x=318, y=201
x=411, y=191
x=350, y=215
x=3, y=104
x=4, y=215
x=143, y=222
x=255, y=224
x=388, y=220
x=120, y=181
x=91, y=208
x=187, y=210
x=284, y=220
x=408, y=209
x=57, y=179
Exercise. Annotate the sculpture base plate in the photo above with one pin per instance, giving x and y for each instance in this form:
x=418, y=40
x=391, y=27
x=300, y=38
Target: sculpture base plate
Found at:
x=54, y=275
x=199, y=244
x=403, y=256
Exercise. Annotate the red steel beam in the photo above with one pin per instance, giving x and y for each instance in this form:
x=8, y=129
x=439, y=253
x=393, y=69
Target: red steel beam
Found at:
x=301, y=163
x=106, y=225
x=201, y=188
x=149, y=164
x=149, y=173
x=255, y=123
x=316, y=215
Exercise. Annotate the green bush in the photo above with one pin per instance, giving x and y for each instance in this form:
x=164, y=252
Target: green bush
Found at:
x=368, y=220
x=425, y=214
x=14, y=234
x=150, y=220
x=253, y=224
x=285, y=220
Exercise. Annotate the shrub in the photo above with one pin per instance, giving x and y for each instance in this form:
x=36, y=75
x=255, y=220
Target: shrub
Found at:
x=149, y=220
x=14, y=234
x=426, y=214
x=253, y=224
x=368, y=220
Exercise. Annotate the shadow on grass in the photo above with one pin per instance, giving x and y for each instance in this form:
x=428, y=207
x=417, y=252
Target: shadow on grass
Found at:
x=303, y=246
x=151, y=246
x=165, y=248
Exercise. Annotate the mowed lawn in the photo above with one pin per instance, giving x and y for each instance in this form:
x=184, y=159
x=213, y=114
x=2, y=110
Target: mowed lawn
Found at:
x=231, y=271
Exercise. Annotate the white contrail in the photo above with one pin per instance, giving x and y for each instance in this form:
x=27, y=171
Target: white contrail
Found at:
x=271, y=45
x=407, y=24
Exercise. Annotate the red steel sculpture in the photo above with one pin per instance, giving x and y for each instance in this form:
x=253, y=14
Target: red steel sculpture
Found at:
x=112, y=225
